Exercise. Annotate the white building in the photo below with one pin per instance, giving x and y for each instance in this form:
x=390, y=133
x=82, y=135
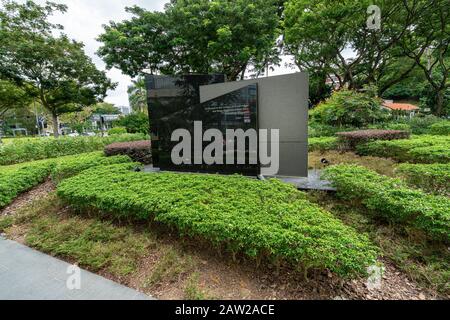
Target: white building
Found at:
x=125, y=110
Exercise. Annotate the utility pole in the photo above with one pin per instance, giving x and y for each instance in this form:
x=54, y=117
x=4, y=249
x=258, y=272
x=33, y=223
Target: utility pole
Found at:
x=37, y=118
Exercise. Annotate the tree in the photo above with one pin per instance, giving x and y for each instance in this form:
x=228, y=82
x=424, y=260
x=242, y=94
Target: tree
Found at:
x=135, y=123
x=104, y=108
x=78, y=121
x=137, y=95
x=319, y=32
x=312, y=36
x=13, y=97
x=415, y=86
x=427, y=45
x=55, y=67
x=202, y=36
x=409, y=87
x=13, y=100
x=350, y=108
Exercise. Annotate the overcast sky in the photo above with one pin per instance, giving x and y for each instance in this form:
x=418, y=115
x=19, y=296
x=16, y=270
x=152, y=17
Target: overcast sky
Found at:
x=83, y=22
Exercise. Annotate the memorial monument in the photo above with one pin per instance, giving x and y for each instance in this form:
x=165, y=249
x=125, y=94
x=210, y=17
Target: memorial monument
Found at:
x=200, y=104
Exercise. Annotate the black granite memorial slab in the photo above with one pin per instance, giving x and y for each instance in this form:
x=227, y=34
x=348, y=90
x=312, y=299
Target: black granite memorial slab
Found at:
x=174, y=103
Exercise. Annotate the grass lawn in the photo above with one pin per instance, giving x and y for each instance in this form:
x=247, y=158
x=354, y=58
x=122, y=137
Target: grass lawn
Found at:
x=381, y=165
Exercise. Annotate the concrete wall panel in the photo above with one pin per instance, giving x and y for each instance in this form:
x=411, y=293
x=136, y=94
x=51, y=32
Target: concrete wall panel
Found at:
x=283, y=105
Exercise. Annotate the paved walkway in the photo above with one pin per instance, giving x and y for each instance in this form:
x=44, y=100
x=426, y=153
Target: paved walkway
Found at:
x=26, y=274
x=312, y=182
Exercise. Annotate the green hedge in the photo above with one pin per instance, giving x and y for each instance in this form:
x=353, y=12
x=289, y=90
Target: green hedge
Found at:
x=259, y=218
x=419, y=149
x=421, y=125
x=323, y=143
x=350, y=140
x=397, y=126
x=441, y=128
x=45, y=148
x=431, y=154
x=71, y=165
x=117, y=130
x=19, y=178
x=433, y=178
x=316, y=130
x=392, y=199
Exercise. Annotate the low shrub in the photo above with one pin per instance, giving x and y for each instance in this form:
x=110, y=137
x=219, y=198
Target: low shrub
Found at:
x=441, y=128
x=323, y=144
x=350, y=108
x=419, y=149
x=393, y=200
x=45, y=148
x=398, y=126
x=20, y=178
x=135, y=123
x=262, y=219
x=433, y=178
x=317, y=130
x=431, y=154
x=139, y=151
x=117, y=130
x=422, y=125
x=71, y=165
x=349, y=140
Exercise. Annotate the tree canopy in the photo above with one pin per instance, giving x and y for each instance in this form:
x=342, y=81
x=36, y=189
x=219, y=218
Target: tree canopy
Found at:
x=350, y=108
x=137, y=96
x=53, y=66
x=13, y=97
x=225, y=36
x=411, y=34
x=427, y=45
x=318, y=32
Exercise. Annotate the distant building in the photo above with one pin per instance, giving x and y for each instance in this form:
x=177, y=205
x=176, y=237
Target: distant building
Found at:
x=125, y=110
x=103, y=121
x=401, y=109
x=333, y=81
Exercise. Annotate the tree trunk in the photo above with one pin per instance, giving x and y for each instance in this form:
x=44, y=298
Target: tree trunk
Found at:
x=439, y=102
x=55, y=126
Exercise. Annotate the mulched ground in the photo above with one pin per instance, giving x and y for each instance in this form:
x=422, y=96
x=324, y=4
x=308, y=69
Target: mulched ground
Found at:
x=224, y=279
x=27, y=198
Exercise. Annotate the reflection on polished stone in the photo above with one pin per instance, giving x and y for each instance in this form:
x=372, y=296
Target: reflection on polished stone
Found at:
x=174, y=103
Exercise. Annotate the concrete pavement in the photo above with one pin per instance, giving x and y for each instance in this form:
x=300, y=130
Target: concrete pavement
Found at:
x=26, y=274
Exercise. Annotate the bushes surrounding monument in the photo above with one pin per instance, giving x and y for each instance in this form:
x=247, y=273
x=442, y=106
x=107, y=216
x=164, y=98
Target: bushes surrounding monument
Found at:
x=45, y=148
x=71, y=165
x=433, y=178
x=323, y=144
x=349, y=140
x=392, y=199
x=419, y=149
x=139, y=151
x=350, y=108
x=267, y=219
x=19, y=178
x=441, y=128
